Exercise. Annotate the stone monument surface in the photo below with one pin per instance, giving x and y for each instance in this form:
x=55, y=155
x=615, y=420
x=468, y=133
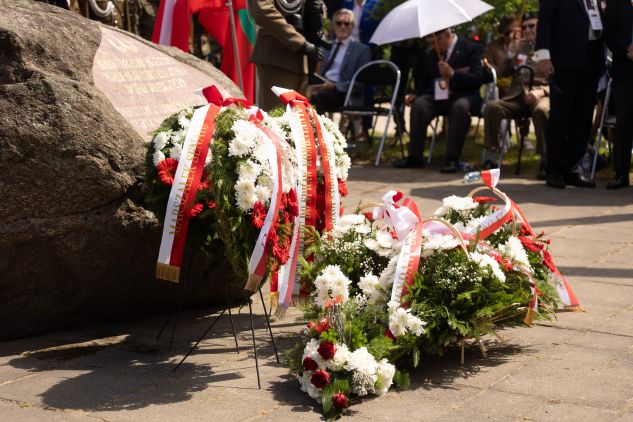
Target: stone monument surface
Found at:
x=78, y=101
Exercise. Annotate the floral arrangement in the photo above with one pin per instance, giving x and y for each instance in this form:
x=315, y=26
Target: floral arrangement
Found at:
x=239, y=187
x=464, y=287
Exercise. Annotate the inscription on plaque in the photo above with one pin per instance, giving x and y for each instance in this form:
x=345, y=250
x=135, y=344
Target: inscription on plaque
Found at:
x=142, y=83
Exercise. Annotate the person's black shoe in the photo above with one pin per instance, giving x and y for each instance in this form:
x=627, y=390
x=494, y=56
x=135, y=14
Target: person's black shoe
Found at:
x=579, y=180
x=450, y=167
x=555, y=180
x=621, y=180
x=489, y=164
x=542, y=173
x=409, y=162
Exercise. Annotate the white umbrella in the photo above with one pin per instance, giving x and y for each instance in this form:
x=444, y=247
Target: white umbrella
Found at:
x=419, y=18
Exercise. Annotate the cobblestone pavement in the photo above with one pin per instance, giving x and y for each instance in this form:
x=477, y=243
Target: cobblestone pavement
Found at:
x=578, y=368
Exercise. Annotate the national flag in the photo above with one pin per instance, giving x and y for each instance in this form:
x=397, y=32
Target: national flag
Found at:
x=172, y=24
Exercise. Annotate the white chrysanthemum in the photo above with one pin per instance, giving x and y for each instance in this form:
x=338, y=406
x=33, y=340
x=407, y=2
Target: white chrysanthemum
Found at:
x=393, y=305
x=340, y=283
x=486, y=261
x=441, y=211
x=263, y=193
x=514, y=250
x=343, y=163
x=160, y=140
x=362, y=361
x=266, y=180
x=353, y=219
x=442, y=242
x=245, y=194
x=175, y=151
x=459, y=203
x=322, y=283
x=384, y=372
x=371, y=244
x=332, y=271
x=261, y=150
x=362, y=229
x=386, y=276
x=157, y=157
x=248, y=170
x=368, y=283
x=178, y=136
x=183, y=121
x=415, y=325
x=385, y=240
x=341, y=356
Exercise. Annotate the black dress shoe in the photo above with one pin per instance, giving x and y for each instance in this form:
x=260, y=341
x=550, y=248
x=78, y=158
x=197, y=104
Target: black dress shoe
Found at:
x=579, y=180
x=409, y=162
x=555, y=180
x=619, y=181
x=450, y=167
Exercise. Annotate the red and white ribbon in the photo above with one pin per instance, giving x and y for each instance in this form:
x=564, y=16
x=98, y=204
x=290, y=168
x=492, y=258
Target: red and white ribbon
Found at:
x=491, y=177
x=405, y=221
x=183, y=192
x=259, y=257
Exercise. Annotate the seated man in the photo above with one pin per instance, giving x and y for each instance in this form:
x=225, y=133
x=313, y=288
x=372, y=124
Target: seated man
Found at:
x=519, y=100
x=452, y=75
x=345, y=58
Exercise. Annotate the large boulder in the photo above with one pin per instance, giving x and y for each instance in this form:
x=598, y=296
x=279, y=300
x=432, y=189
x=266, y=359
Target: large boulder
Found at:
x=76, y=244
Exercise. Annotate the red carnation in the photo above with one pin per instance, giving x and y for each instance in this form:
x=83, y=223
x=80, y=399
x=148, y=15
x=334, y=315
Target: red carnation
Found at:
x=390, y=335
x=326, y=350
x=212, y=204
x=204, y=182
x=195, y=209
x=281, y=251
x=259, y=215
x=273, y=239
x=484, y=199
x=320, y=378
x=292, y=205
x=340, y=401
x=369, y=216
x=309, y=364
x=547, y=260
x=528, y=244
x=507, y=265
x=167, y=170
x=319, y=327
x=342, y=188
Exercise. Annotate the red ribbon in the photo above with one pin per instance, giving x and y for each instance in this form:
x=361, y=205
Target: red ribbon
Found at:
x=213, y=96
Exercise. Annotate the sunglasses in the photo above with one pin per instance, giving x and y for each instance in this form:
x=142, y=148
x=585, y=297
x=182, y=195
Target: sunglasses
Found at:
x=528, y=26
x=342, y=23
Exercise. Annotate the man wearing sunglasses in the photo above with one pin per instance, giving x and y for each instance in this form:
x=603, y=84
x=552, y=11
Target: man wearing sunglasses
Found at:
x=522, y=97
x=570, y=49
x=498, y=52
x=346, y=56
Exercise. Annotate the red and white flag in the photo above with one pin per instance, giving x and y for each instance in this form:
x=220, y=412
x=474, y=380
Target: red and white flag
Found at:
x=172, y=24
x=491, y=177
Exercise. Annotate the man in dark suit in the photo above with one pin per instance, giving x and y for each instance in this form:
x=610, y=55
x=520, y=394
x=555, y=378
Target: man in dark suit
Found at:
x=344, y=59
x=452, y=74
x=618, y=21
x=569, y=48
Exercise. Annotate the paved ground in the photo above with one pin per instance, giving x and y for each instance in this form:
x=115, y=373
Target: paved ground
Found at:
x=579, y=368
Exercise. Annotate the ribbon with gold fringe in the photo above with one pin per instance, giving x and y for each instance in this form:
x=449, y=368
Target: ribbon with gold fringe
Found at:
x=183, y=192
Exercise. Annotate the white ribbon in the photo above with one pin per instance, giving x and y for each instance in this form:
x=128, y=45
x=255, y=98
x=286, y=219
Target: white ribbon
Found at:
x=401, y=219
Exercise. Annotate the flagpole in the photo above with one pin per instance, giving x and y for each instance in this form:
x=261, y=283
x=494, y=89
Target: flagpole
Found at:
x=229, y=4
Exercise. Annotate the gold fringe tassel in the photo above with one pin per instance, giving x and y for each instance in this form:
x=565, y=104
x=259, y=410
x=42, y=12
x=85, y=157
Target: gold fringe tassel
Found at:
x=280, y=312
x=575, y=308
x=253, y=282
x=274, y=300
x=529, y=317
x=167, y=272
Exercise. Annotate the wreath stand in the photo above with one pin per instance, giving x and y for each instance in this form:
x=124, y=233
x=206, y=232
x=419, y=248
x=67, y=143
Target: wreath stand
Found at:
x=175, y=315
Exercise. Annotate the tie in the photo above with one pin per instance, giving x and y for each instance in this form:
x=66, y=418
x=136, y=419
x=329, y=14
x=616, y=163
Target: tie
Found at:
x=331, y=59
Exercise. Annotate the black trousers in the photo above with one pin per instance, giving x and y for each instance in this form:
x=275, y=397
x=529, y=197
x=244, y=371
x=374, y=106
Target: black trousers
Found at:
x=572, y=101
x=623, y=127
x=424, y=109
x=328, y=100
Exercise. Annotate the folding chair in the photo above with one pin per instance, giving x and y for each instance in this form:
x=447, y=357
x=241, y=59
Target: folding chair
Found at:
x=605, y=121
x=379, y=73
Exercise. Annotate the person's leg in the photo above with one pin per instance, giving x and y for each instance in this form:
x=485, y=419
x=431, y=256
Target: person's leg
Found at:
x=423, y=110
x=494, y=113
x=327, y=100
x=623, y=129
x=459, y=123
x=562, y=97
x=540, y=117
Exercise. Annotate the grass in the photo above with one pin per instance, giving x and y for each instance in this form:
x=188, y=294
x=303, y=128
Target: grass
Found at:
x=365, y=154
